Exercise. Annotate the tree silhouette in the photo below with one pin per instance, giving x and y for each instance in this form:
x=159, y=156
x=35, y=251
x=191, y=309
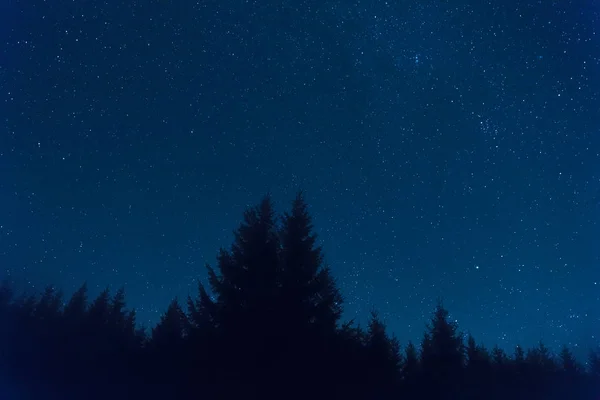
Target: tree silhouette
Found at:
x=383, y=357
x=568, y=362
x=499, y=356
x=411, y=362
x=99, y=311
x=76, y=307
x=49, y=305
x=172, y=328
x=117, y=314
x=267, y=325
x=541, y=358
x=246, y=286
x=442, y=355
x=477, y=356
x=478, y=364
x=201, y=311
x=309, y=293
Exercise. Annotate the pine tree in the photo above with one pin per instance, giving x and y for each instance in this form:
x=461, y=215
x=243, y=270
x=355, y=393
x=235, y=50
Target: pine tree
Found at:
x=411, y=362
x=500, y=374
x=384, y=350
x=246, y=286
x=95, y=339
x=272, y=280
x=167, y=345
x=99, y=311
x=172, y=327
x=309, y=293
x=76, y=307
x=118, y=313
x=541, y=359
x=49, y=306
x=442, y=343
x=77, y=331
x=442, y=354
x=246, y=289
x=568, y=362
x=202, y=310
x=499, y=356
x=477, y=355
x=519, y=355
x=131, y=329
x=478, y=363
x=125, y=338
x=472, y=352
x=383, y=357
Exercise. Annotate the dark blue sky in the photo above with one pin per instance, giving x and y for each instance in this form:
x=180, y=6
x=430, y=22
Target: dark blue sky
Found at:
x=447, y=149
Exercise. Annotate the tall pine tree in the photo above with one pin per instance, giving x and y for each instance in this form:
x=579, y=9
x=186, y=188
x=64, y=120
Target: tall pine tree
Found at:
x=172, y=327
x=246, y=285
x=442, y=355
x=308, y=291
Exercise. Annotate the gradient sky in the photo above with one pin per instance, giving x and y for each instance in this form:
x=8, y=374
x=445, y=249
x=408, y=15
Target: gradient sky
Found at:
x=447, y=149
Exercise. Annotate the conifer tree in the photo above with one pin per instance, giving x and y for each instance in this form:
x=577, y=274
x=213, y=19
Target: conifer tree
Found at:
x=477, y=355
x=202, y=310
x=499, y=356
x=132, y=330
x=118, y=314
x=471, y=351
x=519, y=355
x=246, y=286
x=49, y=306
x=384, y=351
x=309, y=293
x=203, y=337
x=541, y=358
x=122, y=325
x=99, y=311
x=76, y=329
x=568, y=382
x=383, y=357
x=442, y=342
x=95, y=338
x=500, y=374
x=519, y=371
x=76, y=307
x=568, y=362
x=411, y=362
x=442, y=354
x=478, y=364
x=172, y=327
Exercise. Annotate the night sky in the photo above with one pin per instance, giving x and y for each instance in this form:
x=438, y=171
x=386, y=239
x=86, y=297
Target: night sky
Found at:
x=447, y=149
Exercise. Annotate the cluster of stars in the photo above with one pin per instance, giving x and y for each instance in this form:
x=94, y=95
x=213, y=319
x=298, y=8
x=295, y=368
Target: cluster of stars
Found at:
x=446, y=151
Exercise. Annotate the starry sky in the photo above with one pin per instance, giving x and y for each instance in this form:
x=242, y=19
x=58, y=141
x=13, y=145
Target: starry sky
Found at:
x=447, y=149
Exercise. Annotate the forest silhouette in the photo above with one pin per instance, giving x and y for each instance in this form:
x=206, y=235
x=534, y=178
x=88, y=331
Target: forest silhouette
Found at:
x=267, y=325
